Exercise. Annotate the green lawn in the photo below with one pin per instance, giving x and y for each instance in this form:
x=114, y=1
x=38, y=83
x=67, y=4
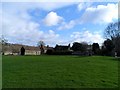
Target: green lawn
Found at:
x=59, y=72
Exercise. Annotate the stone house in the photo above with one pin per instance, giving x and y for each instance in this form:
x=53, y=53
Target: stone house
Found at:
x=62, y=48
x=14, y=49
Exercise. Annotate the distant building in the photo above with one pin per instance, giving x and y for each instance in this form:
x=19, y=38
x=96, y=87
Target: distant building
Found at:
x=62, y=48
x=31, y=50
x=14, y=49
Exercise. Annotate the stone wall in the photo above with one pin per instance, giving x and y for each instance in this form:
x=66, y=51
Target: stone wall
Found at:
x=29, y=52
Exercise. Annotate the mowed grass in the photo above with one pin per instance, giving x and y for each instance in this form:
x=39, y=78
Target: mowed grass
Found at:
x=59, y=72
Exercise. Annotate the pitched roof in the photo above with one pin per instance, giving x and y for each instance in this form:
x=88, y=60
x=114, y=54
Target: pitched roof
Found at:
x=18, y=47
x=61, y=47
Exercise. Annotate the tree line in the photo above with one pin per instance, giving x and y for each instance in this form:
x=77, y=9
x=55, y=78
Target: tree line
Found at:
x=109, y=47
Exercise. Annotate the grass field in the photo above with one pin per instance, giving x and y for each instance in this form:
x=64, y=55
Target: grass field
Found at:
x=59, y=72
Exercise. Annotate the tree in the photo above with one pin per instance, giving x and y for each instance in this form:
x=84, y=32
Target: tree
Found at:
x=22, y=50
x=84, y=46
x=117, y=45
x=79, y=46
x=49, y=52
x=76, y=46
x=41, y=45
x=95, y=48
x=108, y=46
x=3, y=44
x=112, y=32
x=3, y=41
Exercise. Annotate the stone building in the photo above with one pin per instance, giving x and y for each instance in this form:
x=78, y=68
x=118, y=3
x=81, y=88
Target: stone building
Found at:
x=62, y=48
x=14, y=49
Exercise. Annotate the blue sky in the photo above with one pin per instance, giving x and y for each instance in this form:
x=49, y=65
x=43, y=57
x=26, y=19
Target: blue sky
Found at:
x=56, y=22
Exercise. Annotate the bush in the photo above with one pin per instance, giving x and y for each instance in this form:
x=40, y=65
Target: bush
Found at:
x=49, y=52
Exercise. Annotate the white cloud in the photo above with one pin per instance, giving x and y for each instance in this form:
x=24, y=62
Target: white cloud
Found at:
x=54, y=5
x=69, y=25
x=21, y=31
x=51, y=37
x=84, y=5
x=17, y=26
x=100, y=14
x=59, y=1
x=47, y=6
x=24, y=31
x=52, y=19
x=87, y=36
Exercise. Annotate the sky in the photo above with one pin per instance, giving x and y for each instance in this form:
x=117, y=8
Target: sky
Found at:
x=56, y=22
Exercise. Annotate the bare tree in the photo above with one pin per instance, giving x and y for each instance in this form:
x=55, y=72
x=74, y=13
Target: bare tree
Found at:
x=3, y=41
x=3, y=44
x=112, y=32
x=41, y=45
